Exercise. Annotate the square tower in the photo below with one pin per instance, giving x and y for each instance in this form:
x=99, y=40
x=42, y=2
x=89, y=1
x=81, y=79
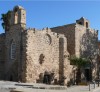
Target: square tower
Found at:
x=84, y=22
x=18, y=16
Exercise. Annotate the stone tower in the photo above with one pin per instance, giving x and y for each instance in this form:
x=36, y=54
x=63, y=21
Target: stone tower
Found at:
x=18, y=16
x=13, y=43
x=84, y=22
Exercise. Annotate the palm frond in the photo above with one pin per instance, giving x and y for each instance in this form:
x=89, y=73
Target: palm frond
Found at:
x=5, y=20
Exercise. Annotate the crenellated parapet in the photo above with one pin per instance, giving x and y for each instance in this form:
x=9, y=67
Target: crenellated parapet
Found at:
x=43, y=31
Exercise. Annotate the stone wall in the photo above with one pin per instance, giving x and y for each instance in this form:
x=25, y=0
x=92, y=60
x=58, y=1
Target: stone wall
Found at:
x=86, y=39
x=99, y=56
x=69, y=32
x=13, y=44
x=79, y=38
x=80, y=30
x=11, y=65
x=81, y=41
x=45, y=51
x=86, y=46
x=2, y=55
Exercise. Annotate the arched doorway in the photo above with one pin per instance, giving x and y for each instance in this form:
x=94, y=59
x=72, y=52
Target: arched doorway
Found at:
x=11, y=78
x=86, y=24
x=47, y=78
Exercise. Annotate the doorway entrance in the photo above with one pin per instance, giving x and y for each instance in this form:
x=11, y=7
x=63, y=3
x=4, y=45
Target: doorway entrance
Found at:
x=47, y=79
x=87, y=74
x=11, y=78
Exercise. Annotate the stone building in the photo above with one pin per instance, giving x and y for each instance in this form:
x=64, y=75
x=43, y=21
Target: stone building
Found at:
x=82, y=41
x=32, y=55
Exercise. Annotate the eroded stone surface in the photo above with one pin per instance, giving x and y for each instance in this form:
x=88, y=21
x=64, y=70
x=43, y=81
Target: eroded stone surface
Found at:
x=37, y=53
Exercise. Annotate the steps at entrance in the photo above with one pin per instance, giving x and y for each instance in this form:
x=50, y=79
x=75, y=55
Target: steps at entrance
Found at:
x=42, y=86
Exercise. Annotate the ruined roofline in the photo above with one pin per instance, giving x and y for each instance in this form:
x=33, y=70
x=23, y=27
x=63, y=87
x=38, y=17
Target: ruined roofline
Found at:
x=85, y=27
x=63, y=25
x=18, y=7
x=45, y=31
x=83, y=18
x=35, y=29
x=74, y=24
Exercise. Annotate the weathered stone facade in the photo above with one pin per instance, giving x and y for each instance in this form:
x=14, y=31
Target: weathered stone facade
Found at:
x=82, y=41
x=45, y=51
x=2, y=55
x=32, y=54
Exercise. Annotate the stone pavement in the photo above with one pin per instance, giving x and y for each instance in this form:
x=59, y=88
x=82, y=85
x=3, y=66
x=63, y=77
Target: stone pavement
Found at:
x=82, y=88
x=6, y=86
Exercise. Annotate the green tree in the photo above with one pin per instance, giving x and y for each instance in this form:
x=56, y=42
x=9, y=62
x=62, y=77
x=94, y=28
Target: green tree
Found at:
x=79, y=63
x=5, y=20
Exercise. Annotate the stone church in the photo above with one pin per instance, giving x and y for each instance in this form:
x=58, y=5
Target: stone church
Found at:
x=32, y=55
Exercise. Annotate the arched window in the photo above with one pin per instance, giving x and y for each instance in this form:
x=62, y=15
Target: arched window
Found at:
x=47, y=39
x=86, y=24
x=16, y=15
x=13, y=50
x=41, y=58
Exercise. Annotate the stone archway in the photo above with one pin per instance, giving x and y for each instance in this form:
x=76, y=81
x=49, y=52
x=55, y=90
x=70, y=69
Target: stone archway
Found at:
x=11, y=78
x=47, y=78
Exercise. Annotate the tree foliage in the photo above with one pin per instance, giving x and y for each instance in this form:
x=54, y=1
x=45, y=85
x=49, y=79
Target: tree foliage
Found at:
x=5, y=20
x=78, y=61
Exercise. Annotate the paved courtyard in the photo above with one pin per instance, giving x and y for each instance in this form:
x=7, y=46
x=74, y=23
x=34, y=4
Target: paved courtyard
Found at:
x=6, y=86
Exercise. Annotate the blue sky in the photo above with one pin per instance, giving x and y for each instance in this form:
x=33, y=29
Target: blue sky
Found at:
x=52, y=13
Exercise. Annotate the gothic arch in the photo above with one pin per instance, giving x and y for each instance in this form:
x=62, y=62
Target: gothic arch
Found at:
x=12, y=49
x=47, y=39
x=87, y=25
